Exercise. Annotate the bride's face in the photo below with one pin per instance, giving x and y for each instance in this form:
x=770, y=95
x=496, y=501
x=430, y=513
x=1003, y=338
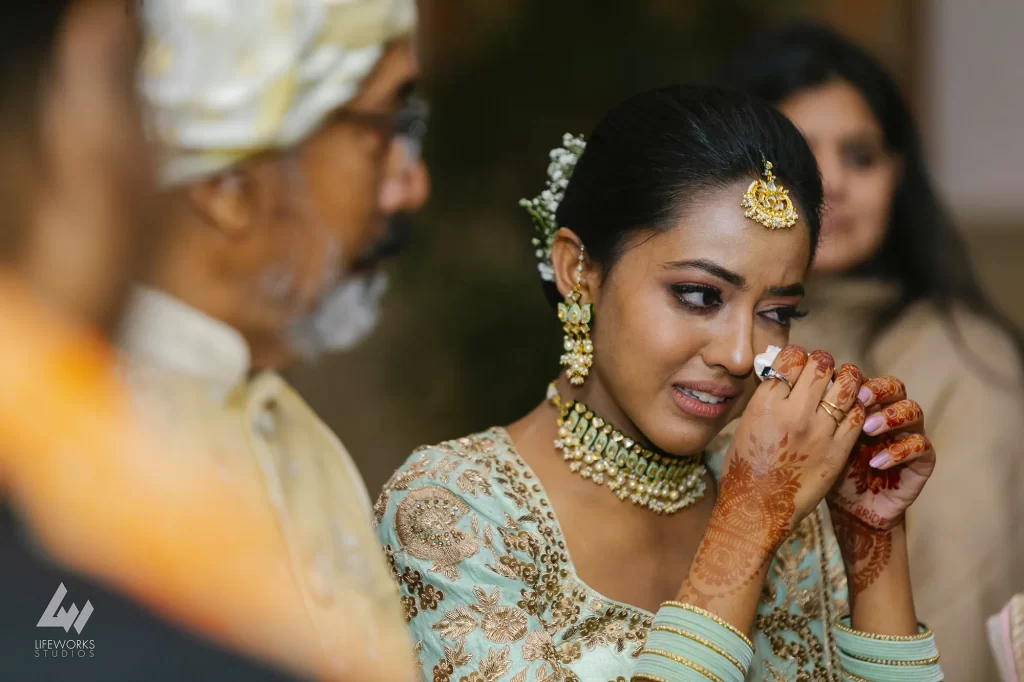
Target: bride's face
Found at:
x=682, y=314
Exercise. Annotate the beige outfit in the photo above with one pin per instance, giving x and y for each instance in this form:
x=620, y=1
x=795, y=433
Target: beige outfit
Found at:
x=966, y=531
x=191, y=373
x=1006, y=635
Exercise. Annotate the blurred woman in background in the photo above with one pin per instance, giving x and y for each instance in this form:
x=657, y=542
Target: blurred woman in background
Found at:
x=895, y=294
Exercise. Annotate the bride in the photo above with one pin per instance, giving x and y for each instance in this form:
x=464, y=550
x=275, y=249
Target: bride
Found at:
x=615, y=532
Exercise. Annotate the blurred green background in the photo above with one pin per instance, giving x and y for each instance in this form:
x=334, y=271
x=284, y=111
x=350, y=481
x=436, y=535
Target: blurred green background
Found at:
x=467, y=340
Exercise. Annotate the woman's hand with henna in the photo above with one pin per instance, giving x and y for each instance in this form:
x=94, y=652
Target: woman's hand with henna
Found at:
x=893, y=458
x=785, y=457
x=887, y=470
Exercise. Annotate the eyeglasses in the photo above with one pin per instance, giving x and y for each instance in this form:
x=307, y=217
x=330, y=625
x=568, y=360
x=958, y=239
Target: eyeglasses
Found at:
x=409, y=125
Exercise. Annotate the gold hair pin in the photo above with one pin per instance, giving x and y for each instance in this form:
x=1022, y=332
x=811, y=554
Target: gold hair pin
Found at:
x=768, y=203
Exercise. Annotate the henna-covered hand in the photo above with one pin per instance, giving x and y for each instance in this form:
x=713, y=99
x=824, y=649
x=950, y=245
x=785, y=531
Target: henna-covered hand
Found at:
x=885, y=474
x=784, y=458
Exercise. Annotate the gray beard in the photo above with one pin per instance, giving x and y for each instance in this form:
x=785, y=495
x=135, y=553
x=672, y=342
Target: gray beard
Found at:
x=346, y=315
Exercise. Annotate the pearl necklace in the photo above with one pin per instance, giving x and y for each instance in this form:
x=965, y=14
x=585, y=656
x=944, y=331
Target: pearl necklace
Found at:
x=596, y=451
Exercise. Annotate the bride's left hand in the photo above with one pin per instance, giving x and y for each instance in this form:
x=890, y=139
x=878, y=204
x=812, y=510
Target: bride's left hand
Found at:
x=892, y=459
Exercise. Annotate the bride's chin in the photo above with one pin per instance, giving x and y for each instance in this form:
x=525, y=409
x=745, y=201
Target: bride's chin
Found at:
x=685, y=439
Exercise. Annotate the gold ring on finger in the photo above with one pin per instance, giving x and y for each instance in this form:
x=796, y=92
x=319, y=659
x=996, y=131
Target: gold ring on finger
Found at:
x=828, y=409
x=835, y=407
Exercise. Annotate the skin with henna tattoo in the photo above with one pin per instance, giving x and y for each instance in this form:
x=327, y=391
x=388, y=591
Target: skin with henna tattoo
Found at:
x=789, y=359
x=823, y=363
x=866, y=549
x=902, y=412
x=879, y=387
x=848, y=379
x=754, y=514
x=913, y=444
x=884, y=475
x=864, y=477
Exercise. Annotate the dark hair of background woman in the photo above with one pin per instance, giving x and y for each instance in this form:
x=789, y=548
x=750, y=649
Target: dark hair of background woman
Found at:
x=656, y=152
x=923, y=250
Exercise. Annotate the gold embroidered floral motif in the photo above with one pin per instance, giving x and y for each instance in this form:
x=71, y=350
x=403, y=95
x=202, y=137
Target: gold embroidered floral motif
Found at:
x=412, y=582
x=472, y=482
x=499, y=624
x=495, y=664
x=425, y=526
x=399, y=480
x=789, y=607
x=504, y=624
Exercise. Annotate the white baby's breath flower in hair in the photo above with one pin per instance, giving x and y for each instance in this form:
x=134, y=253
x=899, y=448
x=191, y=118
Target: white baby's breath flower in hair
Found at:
x=544, y=206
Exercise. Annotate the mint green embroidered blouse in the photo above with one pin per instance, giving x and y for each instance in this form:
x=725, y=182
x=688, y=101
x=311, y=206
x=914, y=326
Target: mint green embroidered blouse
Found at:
x=491, y=595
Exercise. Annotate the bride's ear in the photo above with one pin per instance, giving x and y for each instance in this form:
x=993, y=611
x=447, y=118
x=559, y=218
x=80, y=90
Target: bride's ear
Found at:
x=565, y=260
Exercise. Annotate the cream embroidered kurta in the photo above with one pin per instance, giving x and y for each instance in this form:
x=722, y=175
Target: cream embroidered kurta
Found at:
x=966, y=531
x=190, y=374
x=491, y=594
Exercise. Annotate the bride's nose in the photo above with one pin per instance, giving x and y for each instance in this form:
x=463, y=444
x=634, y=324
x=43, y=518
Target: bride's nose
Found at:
x=730, y=345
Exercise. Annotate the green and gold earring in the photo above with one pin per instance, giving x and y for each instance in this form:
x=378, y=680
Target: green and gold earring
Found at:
x=579, y=349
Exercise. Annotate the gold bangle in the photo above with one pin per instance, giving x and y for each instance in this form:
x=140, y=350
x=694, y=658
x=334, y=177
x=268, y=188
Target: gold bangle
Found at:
x=702, y=640
x=847, y=675
x=684, y=661
x=887, y=638
x=707, y=614
x=882, y=661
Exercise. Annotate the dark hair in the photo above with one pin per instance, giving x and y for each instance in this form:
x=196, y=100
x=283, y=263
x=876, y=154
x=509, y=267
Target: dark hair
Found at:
x=654, y=151
x=922, y=251
x=28, y=33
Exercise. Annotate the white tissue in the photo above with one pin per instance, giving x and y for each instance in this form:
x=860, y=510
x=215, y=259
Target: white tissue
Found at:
x=765, y=360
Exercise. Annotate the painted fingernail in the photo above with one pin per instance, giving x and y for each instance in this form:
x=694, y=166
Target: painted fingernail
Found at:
x=881, y=460
x=865, y=394
x=874, y=422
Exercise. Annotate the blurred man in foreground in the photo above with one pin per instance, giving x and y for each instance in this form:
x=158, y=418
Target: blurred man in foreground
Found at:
x=287, y=129
x=255, y=533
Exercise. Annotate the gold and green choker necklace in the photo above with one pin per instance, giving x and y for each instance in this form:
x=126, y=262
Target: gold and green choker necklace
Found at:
x=596, y=451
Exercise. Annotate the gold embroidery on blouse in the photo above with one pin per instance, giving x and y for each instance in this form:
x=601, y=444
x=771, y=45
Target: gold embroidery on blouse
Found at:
x=828, y=555
x=473, y=482
x=527, y=548
x=453, y=658
x=802, y=655
x=411, y=583
x=499, y=624
x=425, y=525
x=400, y=480
x=417, y=650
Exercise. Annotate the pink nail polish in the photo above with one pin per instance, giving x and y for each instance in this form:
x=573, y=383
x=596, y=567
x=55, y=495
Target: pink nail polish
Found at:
x=880, y=460
x=865, y=394
x=873, y=423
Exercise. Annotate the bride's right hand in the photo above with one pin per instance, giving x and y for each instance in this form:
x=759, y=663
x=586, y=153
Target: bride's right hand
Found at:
x=787, y=452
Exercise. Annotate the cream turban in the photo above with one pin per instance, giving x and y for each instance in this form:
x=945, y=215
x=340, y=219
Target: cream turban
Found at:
x=225, y=79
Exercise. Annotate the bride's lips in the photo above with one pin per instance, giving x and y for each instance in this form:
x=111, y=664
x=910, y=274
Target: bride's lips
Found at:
x=722, y=396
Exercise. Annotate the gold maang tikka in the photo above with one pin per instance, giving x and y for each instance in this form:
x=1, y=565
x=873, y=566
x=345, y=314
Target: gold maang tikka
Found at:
x=768, y=203
x=575, y=318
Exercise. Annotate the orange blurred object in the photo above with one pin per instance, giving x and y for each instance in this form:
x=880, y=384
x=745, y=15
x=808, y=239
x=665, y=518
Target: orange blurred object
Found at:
x=189, y=535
